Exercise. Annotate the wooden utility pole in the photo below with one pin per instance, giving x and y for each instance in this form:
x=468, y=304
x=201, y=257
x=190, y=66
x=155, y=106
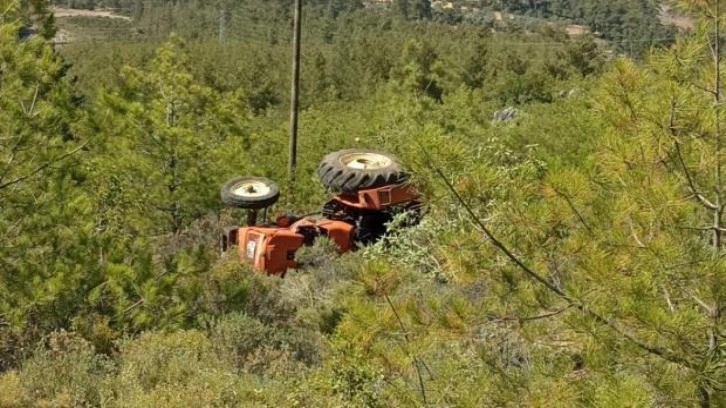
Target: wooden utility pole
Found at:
x=295, y=97
x=175, y=209
x=222, y=18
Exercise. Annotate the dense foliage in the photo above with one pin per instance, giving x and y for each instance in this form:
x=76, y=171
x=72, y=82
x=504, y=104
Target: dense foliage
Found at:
x=571, y=254
x=629, y=26
x=633, y=24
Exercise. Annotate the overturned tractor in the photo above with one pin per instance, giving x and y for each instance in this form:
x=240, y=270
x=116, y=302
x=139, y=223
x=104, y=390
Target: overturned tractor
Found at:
x=370, y=188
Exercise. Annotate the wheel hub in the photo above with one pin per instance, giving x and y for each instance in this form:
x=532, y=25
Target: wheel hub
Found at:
x=365, y=161
x=251, y=188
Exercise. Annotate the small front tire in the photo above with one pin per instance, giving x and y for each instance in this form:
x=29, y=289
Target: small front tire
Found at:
x=250, y=192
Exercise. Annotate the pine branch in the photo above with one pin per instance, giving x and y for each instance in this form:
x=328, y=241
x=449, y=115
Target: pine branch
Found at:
x=703, y=88
x=704, y=229
x=574, y=209
x=29, y=112
x=679, y=155
x=627, y=101
x=14, y=150
x=537, y=317
x=128, y=309
x=407, y=351
x=689, y=178
x=649, y=348
x=703, y=304
x=667, y=296
x=634, y=234
x=12, y=5
x=42, y=167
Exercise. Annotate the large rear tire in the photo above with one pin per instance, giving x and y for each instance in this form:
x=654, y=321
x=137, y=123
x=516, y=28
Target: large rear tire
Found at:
x=351, y=170
x=250, y=192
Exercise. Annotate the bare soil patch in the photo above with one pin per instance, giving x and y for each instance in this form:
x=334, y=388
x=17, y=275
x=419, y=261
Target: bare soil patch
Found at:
x=65, y=12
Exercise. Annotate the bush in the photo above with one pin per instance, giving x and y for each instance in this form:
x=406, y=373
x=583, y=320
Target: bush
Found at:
x=244, y=341
x=171, y=370
x=65, y=373
x=159, y=358
x=11, y=392
x=321, y=254
x=12, y=348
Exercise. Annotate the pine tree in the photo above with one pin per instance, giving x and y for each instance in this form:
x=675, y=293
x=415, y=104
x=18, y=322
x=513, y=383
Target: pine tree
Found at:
x=420, y=70
x=165, y=145
x=165, y=141
x=635, y=242
x=45, y=216
x=403, y=8
x=40, y=17
x=422, y=9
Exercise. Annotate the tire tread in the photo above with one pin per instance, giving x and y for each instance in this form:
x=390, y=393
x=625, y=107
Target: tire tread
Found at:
x=341, y=179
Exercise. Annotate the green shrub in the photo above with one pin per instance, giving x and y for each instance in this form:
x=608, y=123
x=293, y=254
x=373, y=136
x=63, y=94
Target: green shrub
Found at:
x=159, y=358
x=64, y=373
x=244, y=341
x=11, y=392
x=170, y=370
x=322, y=253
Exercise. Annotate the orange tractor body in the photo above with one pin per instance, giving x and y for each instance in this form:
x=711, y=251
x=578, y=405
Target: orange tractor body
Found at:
x=348, y=220
x=272, y=250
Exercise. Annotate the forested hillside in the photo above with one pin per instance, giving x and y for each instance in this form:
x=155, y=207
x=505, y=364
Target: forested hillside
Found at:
x=571, y=253
x=628, y=22
x=630, y=27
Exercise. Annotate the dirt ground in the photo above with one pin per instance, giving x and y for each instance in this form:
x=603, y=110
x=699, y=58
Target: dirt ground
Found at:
x=64, y=12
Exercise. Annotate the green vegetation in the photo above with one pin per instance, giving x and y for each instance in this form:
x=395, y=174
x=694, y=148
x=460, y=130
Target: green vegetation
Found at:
x=633, y=25
x=570, y=256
